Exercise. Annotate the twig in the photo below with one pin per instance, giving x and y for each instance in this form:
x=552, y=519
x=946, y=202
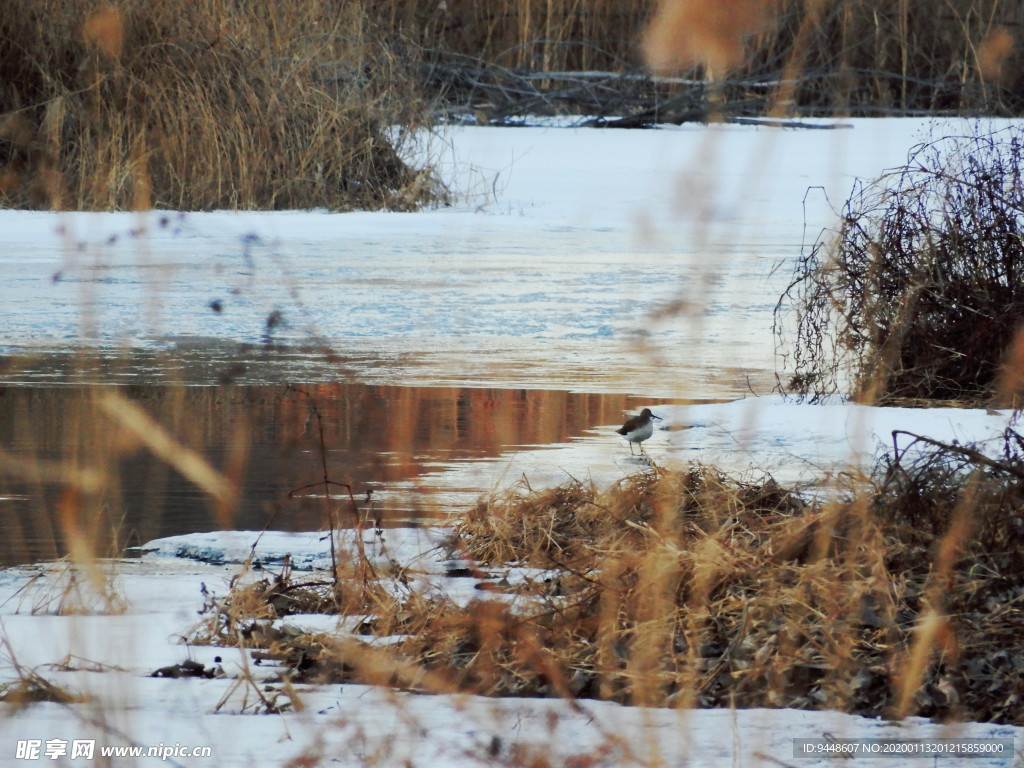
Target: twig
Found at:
x=967, y=452
x=325, y=482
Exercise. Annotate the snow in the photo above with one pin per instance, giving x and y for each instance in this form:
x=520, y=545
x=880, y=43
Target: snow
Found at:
x=305, y=551
x=561, y=246
x=344, y=727
x=794, y=443
x=110, y=657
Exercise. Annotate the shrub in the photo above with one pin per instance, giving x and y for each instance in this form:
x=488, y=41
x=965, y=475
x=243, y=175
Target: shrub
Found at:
x=216, y=104
x=920, y=289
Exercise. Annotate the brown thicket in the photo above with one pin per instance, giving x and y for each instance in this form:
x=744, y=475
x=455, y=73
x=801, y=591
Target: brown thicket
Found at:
x=740, y=57
x=918, y=294
x=183, y=105
x=696, y=589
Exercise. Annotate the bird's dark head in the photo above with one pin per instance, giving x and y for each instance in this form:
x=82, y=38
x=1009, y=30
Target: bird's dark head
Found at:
x=647, y=412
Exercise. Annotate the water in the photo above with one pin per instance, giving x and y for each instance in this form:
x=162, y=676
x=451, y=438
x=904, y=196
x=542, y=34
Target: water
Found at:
x=414, y=362
x=268, y=439
x=414, y=366
x=556, y=295
x=418, y=359
x=204, y=299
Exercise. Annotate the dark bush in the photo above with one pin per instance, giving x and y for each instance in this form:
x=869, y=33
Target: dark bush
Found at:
x=917, y=294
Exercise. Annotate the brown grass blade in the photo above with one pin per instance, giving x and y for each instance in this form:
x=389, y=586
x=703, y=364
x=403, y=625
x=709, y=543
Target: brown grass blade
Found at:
x=193, y=466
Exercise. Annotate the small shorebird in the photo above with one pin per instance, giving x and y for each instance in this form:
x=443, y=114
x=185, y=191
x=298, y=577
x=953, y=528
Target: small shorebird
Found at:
x=638, y=429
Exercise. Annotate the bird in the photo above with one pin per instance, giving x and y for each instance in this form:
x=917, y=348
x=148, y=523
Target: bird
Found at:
x=638, y=428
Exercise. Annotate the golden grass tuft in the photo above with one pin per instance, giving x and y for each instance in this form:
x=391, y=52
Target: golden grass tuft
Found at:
x=693, y=588
x=687, y=33
x=32, y=688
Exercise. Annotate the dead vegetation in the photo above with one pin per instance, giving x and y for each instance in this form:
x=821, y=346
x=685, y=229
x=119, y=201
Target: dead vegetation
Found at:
x=30, y=686
x=168, y=104
x=696, y=589
x=71, y=587
x=918, y=294
x=739, y=58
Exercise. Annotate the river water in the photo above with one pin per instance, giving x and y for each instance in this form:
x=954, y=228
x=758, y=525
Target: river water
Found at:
x=583, y=274
x=266, y=438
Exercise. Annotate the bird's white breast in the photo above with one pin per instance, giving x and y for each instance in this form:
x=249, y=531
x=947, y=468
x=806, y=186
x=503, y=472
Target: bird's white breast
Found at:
x=640, y=434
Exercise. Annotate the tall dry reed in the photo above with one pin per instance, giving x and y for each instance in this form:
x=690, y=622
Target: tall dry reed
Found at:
x=173, y=104
x=871, y=57
x=183, y=105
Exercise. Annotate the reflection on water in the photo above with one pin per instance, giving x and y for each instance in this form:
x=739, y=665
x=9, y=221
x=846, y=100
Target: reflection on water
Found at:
x=72, y=469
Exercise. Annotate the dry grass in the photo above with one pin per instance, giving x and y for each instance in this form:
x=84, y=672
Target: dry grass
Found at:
x=695, y=589
x=839, y=56
x=73, y=586
x=32, y=688
x=191, y=106
x=672, y=587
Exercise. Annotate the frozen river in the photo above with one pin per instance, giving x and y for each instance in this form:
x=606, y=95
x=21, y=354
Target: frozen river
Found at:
x=574, y=259
x=577, y=274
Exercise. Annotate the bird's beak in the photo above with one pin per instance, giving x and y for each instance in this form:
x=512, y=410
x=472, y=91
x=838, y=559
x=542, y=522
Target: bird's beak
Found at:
x=656, y=417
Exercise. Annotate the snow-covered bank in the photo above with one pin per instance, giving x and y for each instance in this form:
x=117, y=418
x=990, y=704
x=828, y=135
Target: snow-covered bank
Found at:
x=359, y=726
x=109, y=657
x=792, y=441
x=795, y=441
x=108, y=660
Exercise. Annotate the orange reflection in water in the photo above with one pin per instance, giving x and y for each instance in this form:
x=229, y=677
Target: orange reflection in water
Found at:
x=265, y=438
